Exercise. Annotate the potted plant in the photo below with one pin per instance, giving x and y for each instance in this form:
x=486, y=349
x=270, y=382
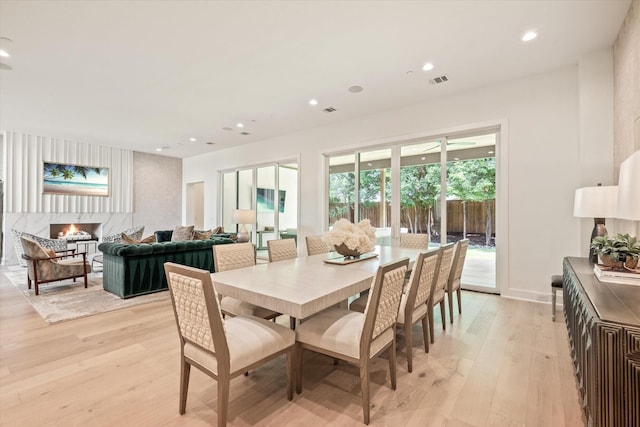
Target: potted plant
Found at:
x=619, y=252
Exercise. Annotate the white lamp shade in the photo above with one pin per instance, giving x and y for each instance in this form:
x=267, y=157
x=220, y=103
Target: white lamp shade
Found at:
x=243, y=216
x=629, y=188
x=596, y=202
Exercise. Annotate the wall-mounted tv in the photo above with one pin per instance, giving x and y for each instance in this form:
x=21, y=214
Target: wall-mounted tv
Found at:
x=266, y=200
x=77, y=180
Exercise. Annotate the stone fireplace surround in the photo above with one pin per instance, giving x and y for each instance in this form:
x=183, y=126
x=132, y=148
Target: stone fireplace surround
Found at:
x=39, y=224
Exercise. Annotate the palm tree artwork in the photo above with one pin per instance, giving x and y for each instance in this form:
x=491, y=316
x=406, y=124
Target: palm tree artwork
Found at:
x=59, y=178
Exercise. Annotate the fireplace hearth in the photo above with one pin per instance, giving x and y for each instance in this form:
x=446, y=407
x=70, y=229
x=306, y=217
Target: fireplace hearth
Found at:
x=75, y=231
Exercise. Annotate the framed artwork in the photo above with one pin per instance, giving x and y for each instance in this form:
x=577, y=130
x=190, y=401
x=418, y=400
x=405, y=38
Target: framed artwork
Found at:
x=76, y=180
x=266, y=200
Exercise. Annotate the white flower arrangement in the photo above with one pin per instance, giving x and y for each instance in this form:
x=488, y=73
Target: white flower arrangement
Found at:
x=360, y=237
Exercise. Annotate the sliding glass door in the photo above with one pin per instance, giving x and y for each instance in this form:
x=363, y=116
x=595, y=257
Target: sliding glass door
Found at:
x=272, y=192
x=443, y=187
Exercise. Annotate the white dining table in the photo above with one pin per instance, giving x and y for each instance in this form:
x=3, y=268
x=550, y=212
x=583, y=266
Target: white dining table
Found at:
x=303, y=286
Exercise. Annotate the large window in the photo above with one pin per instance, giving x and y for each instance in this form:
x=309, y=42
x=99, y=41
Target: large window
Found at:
x=443, y=187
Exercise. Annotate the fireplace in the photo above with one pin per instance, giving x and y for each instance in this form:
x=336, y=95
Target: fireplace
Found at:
x=75, y=231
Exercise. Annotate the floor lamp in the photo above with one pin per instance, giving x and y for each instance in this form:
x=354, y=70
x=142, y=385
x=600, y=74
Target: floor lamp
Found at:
x=243, y=217
x=598, y=203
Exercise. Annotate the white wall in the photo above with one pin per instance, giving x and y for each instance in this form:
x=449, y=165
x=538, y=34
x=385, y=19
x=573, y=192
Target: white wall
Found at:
x=539, y=156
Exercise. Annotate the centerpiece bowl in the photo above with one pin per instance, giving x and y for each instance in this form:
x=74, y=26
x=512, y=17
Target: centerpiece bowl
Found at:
x=343, y=250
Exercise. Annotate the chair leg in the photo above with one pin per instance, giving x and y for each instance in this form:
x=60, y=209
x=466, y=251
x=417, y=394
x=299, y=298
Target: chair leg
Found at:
x=430, y=312
x=292, y=323
x=185, y=370
x=290, y=372
x=459, y=293
x=425, y=333
x=392, y=363
x=298, y=354
x=364, y=385
x=553, y=304
x=223, y=398
x=450, y=299
x=408, y=337
x=443, y=315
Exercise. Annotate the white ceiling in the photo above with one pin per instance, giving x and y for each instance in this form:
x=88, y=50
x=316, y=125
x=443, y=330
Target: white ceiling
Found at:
x=147, y=74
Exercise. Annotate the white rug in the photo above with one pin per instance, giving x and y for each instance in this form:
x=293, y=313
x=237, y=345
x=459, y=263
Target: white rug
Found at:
x=66, y=300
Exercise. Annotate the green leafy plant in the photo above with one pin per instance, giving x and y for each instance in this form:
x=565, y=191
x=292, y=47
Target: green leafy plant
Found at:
x=618, y=248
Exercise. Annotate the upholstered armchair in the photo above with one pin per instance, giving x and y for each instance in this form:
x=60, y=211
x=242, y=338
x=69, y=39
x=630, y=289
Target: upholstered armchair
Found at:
x=55, y=245
x=45, y=265
x=133, y=232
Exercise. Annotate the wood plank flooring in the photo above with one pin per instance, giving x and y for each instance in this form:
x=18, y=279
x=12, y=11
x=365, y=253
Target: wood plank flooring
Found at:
x=502, y=363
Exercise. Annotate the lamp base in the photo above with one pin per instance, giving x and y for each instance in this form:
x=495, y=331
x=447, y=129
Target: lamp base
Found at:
x=598, y=230
x=243, y=237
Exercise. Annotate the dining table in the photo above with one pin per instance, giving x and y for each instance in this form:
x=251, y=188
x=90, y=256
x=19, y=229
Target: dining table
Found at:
x=303, y=286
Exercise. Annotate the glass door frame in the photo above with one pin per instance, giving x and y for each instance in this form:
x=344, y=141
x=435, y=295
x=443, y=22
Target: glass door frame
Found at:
x=254, y=192
x=501, y=209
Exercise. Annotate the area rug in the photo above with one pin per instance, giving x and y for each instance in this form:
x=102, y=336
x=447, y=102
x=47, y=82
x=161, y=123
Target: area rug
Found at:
x=66, y=300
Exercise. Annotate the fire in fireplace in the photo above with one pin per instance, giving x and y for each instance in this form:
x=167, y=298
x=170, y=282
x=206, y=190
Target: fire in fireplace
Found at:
x=74, y=232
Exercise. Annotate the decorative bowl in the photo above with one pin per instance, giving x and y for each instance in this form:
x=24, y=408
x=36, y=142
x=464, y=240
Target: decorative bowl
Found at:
x=343, y=250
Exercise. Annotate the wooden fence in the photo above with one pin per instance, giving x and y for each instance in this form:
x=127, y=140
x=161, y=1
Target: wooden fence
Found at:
x=418, y=219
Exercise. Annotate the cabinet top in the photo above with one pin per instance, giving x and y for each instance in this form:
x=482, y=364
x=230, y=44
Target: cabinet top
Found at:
x=613, y=302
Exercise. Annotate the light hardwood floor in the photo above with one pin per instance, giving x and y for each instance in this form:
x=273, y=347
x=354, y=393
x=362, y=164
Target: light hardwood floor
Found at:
x=502, y=363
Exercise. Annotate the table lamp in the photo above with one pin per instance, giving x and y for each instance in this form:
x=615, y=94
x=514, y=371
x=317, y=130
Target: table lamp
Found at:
x=243, y=217
x=629, y=188
x=598, y=203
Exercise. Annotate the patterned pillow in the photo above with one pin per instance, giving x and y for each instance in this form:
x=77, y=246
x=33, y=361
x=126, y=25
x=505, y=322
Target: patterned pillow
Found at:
x=128, y=240
x=182, y=233
x=202, y=235
x=218, y=230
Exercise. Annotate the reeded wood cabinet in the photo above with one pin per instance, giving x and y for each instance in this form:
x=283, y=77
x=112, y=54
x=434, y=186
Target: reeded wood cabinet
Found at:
x=603, y=322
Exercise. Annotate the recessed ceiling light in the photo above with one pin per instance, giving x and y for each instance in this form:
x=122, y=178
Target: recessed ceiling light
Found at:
x=355, y=89
x=529, y=35
x=427, y=67
x=4, y=53
x=240, y=125
x=409, y=72
x=369, y=164
x=159, y=149
x=423, y=158
x=313, y=101
x=456, y=158
x=490, y=152
x=192, y=139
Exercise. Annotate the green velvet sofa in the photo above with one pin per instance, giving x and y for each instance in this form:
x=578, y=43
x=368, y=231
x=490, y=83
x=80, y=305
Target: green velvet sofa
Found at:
x=132, y=270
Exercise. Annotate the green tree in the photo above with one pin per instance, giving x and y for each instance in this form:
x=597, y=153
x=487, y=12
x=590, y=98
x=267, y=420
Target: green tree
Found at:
x=473, y=180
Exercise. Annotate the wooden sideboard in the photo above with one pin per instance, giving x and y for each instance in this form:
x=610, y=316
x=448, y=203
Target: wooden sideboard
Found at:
x=603, y=322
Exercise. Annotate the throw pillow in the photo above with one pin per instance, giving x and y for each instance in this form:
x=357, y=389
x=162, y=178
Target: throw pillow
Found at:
x=51, y=253
x=202, y=235
x=182, y=233
x=218, y=230
x=128, y=240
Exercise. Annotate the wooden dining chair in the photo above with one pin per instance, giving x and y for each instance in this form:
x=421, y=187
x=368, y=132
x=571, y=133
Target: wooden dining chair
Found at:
x=358, y=337
x=414, y=302
x=438, y=291
x=453, y=284
x=316, y=246
x=280, y=250
x=414, y=241
x=222, y=349
x=231, y=257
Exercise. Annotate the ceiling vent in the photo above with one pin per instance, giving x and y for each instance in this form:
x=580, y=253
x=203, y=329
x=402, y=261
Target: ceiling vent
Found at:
x=245, y=133
x=329, y=110
x=438, y=80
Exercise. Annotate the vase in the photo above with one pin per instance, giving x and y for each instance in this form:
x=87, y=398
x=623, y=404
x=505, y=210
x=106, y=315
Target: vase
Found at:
x=632, y=262
x=343, y=250
x=611, y=262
